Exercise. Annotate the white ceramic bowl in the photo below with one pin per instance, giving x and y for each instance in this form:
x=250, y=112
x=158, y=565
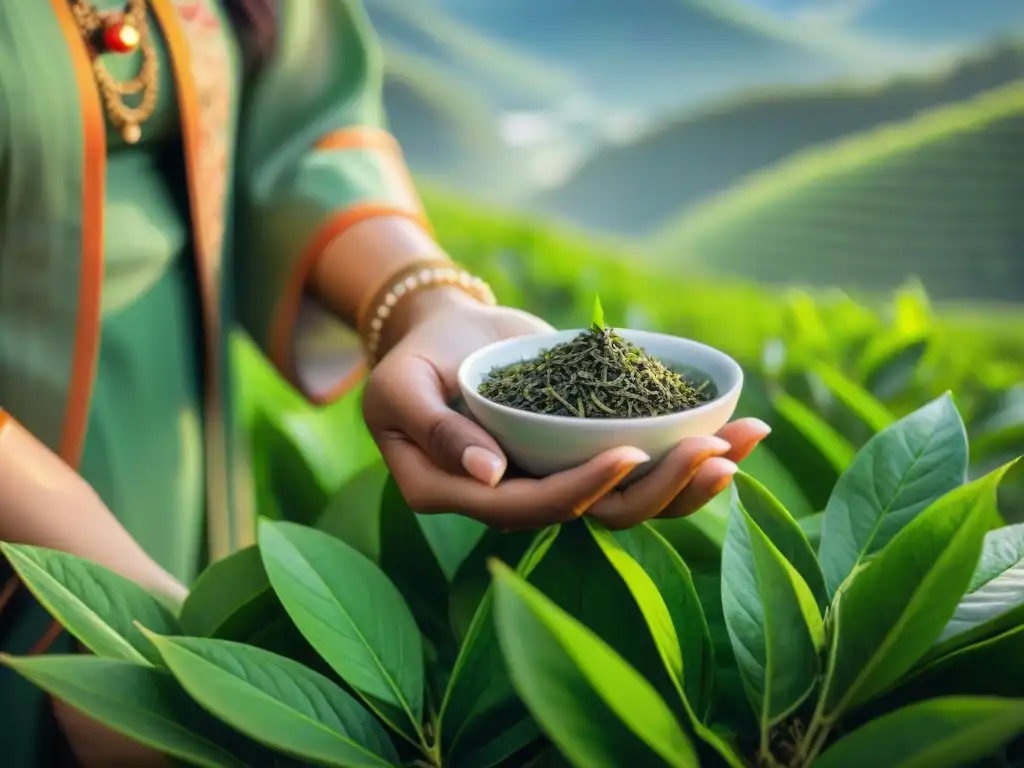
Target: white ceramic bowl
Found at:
x=543, y=445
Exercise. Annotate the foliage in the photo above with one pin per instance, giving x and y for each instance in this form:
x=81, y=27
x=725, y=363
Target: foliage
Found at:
x=823, y=369
x=458, y=646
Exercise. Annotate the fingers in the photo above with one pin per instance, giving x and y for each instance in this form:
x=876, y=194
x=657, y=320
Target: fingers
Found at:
x=743, y=435
x=414, y=397
x=711, y=479
x=648, y=497
x=515, y=504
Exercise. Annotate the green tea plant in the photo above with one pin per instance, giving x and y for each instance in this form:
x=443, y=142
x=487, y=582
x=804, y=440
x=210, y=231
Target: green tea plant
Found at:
x=895, y=641
x=835, y=372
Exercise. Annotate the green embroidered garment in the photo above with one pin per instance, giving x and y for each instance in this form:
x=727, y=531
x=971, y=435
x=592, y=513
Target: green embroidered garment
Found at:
x=122, y=272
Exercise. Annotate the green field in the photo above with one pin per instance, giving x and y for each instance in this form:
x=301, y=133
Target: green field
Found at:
x=681, y=162
x=937, y=196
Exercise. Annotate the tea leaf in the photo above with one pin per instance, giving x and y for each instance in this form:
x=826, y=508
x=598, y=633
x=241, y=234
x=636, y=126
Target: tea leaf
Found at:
x=473, y=579
x=673, y=581
x=479, y=689
x=896, y=475
x=451, y=538
x=1001, y=428
x=648, y=599
x=912, y=309
x=411, y=565
x=135, y=700
x=277, y=702
x=598, y=319
x=835, y=448
x=231, y=599
x=97, y=606
x=894, y=607
x=597, y=374
x=857, y=401
x=888, y=365
x=782, y=530
x=811, y=526
x=366, y=634
x=939, y=733
x=353, y=514
x=596, y=708
x=507, y=742
x=995, y=599
x=651, y=597
x=773, y=621
x=990, y=667
x=765, y=467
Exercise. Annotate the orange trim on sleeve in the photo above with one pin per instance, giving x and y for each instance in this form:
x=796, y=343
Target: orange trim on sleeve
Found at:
x=43, y=644
x=87, y=320
x=286, y=313
x=94, y=169
x=359, y=137
x=9, y=590
x=386, y=146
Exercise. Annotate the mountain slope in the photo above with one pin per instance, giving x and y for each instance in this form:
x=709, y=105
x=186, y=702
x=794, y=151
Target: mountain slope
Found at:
x=635, y=188
x=649, y=53
x=938, y=196
x=941, y=21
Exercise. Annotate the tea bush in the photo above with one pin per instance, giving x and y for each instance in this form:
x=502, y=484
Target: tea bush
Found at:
x=824, y=369
x=894, y=641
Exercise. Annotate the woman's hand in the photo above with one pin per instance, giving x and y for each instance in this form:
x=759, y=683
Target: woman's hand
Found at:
x=444, y=462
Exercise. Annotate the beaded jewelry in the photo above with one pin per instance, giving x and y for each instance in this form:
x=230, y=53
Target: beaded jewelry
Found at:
x=409, y=282
x=121, y=32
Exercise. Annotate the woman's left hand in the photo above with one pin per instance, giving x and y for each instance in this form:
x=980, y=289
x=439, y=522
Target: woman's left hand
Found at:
x=444, y=462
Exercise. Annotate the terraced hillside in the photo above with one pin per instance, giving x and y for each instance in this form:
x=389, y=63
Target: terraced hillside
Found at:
x=938, y=196
x=635, y=188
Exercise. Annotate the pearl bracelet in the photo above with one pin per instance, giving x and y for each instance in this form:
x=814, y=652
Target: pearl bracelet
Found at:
x=420, y=279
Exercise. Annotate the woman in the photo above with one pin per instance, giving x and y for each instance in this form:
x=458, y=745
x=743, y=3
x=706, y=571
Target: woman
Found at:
x=170, y=168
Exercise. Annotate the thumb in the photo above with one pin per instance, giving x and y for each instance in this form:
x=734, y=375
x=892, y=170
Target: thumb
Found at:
x=418, y=405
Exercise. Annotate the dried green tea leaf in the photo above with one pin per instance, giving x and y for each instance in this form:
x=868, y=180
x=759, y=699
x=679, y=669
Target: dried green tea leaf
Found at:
x=596, y=375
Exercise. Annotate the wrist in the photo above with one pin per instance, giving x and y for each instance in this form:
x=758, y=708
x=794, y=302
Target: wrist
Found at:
x=420, y=307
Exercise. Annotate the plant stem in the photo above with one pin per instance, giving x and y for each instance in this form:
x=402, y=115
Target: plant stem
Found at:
x=812, y=755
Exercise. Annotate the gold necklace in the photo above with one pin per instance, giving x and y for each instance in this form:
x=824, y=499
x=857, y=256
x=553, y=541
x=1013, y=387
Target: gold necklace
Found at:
x=121, y=32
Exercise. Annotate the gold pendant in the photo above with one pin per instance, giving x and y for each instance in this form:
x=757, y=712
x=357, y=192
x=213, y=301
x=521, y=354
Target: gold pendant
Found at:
x=131, y=133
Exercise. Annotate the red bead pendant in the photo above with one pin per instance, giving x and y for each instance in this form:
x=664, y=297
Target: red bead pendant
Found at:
x=121, y=37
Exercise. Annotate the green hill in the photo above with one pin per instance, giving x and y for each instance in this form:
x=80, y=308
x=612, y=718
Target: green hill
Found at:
x=938, y=196
x=654, y=54
x=702, y=153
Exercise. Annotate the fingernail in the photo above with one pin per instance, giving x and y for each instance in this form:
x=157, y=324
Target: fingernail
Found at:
x=728, y=470
x=631, y=457
x=762, y=426
x=718, y=446
x=483, y=465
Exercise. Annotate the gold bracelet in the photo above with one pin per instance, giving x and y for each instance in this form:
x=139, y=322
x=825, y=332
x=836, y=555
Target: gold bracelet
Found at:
x=411, y=281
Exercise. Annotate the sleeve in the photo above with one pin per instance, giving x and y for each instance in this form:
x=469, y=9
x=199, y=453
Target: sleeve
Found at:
x=315, y=158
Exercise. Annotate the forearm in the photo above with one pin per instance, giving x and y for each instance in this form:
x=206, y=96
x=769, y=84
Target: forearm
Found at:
x=360, y=262
x=43, y=502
